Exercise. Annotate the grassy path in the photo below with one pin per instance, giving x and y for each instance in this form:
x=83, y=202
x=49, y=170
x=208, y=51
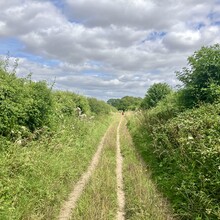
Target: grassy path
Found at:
x=119, y=174
x=120, y=186
x=80, y=185
x=143, y=201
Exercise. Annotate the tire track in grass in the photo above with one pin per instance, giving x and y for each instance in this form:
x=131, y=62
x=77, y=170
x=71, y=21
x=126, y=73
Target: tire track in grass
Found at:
x=78, y=188
x=99, y=199
x=120, y=191
x=143, y=200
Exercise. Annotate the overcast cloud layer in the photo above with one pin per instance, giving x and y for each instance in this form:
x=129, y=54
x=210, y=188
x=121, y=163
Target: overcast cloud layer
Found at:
x=106, y=48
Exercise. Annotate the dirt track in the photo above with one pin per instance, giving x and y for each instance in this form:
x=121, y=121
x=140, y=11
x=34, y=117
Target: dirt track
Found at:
x=70, y=204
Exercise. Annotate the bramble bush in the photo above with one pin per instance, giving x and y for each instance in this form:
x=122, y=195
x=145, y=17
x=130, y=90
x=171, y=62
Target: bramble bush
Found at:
x=188, y=151
x=179, y=139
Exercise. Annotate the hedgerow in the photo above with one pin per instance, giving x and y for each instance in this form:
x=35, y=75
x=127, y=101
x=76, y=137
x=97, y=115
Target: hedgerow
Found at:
x=24, y=105
x=44, y=145
x=28, y=107
x=179, y=138
x=188, y=151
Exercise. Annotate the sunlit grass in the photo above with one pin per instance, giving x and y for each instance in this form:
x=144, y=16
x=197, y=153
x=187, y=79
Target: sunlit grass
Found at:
x=143, y=201
x=37, y=178
x=99, y=201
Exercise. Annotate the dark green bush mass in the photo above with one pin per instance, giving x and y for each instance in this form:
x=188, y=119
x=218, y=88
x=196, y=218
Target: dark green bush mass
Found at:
x=184, y=154
x=24, y=105
x=99, y=107
x=154, y=94
x=27, y=106
x=178, y=137
x=64, y=103
x=126, y=103
x=191, y=144
x=40, y=106
x=201, y=79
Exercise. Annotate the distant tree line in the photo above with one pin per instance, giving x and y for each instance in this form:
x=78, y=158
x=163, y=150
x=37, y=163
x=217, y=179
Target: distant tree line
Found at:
x=126, y=103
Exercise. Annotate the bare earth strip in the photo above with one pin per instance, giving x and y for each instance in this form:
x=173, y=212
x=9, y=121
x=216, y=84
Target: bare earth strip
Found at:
x=120, y=192
x=70, y=204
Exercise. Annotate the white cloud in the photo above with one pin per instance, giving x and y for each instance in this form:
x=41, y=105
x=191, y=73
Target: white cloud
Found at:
x=117, y=47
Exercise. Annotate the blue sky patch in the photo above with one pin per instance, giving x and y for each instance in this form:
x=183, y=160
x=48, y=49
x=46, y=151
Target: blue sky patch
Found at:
x=155, y=35
x=59, y=4
x=199, y=25
x=15, y=48
x=11, y=45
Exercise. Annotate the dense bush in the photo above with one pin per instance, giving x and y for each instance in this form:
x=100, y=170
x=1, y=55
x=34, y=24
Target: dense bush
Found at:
x=190, y=145
x=28, y=107
x=155, y=93
x=201, y=79
x=64, y=103
x=99, y=107
x=24, y=105
x=184, y=154
x=179, y=138
x=165, y=109
x=126, y=103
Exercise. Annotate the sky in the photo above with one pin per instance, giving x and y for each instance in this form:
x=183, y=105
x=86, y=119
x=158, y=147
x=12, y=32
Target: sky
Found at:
x=106, y=48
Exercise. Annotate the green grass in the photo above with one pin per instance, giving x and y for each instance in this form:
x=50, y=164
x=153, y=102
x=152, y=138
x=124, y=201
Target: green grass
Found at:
x=183, y=155
x=36, y=178
x=143, y=200
x=99, y=200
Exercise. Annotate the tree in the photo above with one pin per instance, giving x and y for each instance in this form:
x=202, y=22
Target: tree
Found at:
x=126, y=103
x=154, y=94
x=99, y=107
x=201, y=80
x=114, y=102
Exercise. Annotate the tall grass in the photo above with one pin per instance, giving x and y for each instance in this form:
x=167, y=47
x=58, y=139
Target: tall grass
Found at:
x=143, y=200
x=99, y=200
x=37, y=177
x=183, y=153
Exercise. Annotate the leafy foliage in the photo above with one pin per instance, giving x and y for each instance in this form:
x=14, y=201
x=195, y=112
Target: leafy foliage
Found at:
x=99, y=107
x=201, y=79
x=154, y=94
x=183, y=153
x=58, y=144
x=24, y=105
x=126, y=103
x=28, y=107
x=179, y=138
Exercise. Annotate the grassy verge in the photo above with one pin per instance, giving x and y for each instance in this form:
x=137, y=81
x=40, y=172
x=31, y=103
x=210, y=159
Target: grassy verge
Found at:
x=37, y=177
x=143, y=201
x=183, y=154
x=99, y=201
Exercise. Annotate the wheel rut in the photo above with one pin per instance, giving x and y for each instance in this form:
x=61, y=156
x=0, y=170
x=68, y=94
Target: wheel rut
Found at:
x=78, y=188
x=120, y=191
x=70, y=204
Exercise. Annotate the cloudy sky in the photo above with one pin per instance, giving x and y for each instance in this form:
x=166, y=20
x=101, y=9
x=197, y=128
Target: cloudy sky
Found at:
x=106, y=48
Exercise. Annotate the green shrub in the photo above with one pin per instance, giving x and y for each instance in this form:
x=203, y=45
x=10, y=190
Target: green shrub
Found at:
x=99, y=107
x=156, y=93
x=201, y=79
x=185, y=158
x=24, y=105
x=64, y=104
